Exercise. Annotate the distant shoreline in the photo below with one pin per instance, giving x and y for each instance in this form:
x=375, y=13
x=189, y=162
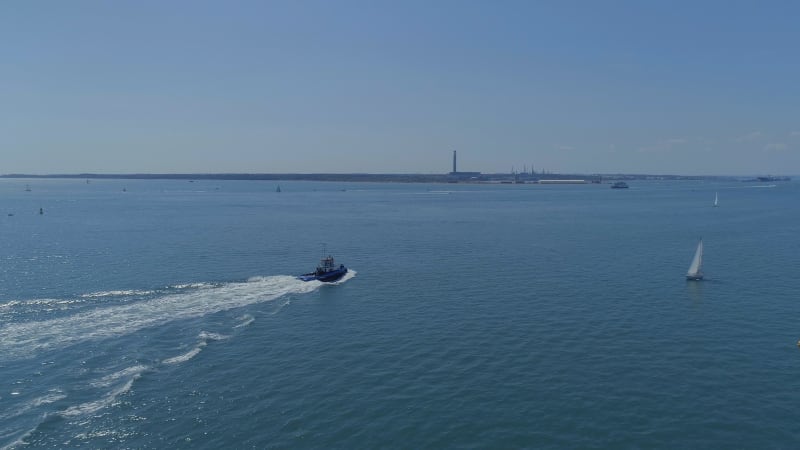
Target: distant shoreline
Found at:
x=378, y=177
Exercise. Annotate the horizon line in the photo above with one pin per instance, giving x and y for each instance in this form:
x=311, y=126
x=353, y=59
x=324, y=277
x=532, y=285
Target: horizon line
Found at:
x=267, y=175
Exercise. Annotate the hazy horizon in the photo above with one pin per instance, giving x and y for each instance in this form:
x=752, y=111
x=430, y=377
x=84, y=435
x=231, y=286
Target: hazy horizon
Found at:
x=683, y=88
x=21, y=175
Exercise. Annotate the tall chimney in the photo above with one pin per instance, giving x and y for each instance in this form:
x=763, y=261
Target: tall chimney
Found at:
x=454, y=162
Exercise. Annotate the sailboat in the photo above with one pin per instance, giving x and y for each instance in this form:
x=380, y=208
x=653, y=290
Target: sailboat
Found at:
x=716, y=199
x=695, y=272
x=279, y=188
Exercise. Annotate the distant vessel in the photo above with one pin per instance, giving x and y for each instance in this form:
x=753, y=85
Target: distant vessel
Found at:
x=619, y=185
x=326, y=271
x=716, y=199
x=27, y=188
x=278, y=189
x=768, y=178
x=695, y=272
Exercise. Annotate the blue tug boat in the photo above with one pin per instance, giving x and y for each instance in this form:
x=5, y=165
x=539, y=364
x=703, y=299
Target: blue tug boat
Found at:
x=327, y=272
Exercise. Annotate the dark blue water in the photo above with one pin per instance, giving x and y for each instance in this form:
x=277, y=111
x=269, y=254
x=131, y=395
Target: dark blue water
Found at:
x=485, y=316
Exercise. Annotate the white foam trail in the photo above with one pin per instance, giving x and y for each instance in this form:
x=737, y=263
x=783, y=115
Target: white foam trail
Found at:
x=193, y=285
x=90, y=407
x=204, y=336
x=208, y=336
x=246, y=319
x=108, y=435
x=348, y=276
x=277, y=310
x=20, y=441
x=48, y=302
x=186, y=356
x=26, y=338
x=108, y=380
x=47, y=399
x=116, y=293
x=54, y=396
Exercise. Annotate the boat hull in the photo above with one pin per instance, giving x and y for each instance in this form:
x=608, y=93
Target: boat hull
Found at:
x=326, y=277
x=694, y=277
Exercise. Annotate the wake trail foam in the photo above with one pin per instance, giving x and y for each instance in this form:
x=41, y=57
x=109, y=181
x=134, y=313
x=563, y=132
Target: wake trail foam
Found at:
x=20, y=440
x=118, y=383
x=26, y=338
x=107, y=400
x=108, y=380
x=186, y=356
x=47, y=302
x=246, y=319
x=127, y=377
x=204, y=337
x=118, y=293
x=280, y=307
x=348, y=276
x=87, y=299
x=53, y=396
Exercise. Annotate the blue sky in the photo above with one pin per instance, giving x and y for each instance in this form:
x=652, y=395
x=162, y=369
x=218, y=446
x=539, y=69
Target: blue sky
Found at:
x=685, y=87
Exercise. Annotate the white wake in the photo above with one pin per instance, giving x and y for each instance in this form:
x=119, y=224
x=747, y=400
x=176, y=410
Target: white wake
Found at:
x=21, y=339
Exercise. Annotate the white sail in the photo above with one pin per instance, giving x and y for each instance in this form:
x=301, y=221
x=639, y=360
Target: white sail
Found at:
x=716, y=199
x=695, y=269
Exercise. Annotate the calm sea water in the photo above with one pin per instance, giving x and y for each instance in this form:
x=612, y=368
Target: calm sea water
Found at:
x=477, y=316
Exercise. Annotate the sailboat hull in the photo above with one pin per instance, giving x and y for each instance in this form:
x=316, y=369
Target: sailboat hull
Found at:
x=694, y=277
